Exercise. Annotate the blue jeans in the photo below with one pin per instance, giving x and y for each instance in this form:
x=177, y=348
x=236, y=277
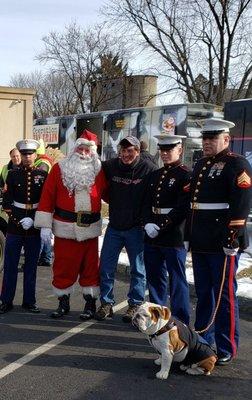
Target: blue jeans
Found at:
x=158, y=262
x=114, y=241
x=46, y=252
x=12, y=252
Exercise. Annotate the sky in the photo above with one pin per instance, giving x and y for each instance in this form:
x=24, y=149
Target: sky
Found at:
x=23, y=23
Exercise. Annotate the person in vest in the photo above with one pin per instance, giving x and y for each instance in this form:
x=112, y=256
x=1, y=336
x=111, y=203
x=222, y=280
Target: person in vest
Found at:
x=220, y=189
x=20, y=200
x=15, y=161
x=44, y=163
x=70, y=208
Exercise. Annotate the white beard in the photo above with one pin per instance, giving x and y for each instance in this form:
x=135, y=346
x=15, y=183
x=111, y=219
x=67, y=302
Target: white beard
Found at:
x=79, y=171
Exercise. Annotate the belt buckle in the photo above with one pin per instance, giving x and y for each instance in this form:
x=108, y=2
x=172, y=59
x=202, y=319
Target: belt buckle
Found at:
x=156, y=210
x=79, y=215
x=195, y=206
x=29, y=206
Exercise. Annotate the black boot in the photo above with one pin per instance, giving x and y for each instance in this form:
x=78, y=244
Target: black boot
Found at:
x=89, y=309
x=64, y=307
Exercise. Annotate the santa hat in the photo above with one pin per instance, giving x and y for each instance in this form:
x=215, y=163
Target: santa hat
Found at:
x=88, y=139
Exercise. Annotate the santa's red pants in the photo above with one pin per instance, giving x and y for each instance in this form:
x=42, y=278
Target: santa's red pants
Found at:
x=73, y=259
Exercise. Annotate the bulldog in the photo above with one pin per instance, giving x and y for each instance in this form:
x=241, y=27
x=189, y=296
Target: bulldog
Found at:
x=174, y=341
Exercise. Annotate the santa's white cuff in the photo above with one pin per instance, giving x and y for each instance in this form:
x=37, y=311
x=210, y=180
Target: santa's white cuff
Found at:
x=43, y=219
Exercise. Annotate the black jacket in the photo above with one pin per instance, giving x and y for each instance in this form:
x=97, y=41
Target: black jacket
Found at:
x=168, y=188
x=127, y=188
x=224, y=178
x=23, y=186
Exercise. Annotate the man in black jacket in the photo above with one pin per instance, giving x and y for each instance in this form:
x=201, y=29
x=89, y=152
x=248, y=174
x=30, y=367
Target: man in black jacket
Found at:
x=166, y=207
x=127, y=177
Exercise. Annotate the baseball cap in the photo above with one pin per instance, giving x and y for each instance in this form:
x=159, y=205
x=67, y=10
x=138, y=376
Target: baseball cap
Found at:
x=130, y=141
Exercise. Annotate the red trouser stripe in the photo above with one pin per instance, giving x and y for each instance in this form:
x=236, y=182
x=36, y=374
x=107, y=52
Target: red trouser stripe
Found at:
x=232, y=303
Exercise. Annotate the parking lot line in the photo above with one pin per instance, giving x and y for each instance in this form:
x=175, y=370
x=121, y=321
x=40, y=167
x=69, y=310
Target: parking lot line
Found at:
x=9, y=369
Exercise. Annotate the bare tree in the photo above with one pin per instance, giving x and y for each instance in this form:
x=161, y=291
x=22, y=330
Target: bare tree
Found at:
x=77, y=55
x=54, y=93
x=204, y=45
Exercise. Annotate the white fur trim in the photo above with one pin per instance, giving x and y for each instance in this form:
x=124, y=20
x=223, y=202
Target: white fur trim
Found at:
x=94, y=291
x=43, y=219
x=70, y=230
x=82, y=201
x=61, y=292
x=80, y=141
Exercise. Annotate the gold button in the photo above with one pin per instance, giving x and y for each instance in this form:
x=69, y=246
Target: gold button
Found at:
x=229, y=238
x=198, y=183
x=208, y=162
x=162, y=176
x=160, y=182
x=195, y=198
x=200, y=175
x=204, y=168
x=158, y=188
x=28, y=198
x=165, y=172
x=158, y=195
x=157, y=203
x=162, y=224
x=197, y=190
x=231, y=231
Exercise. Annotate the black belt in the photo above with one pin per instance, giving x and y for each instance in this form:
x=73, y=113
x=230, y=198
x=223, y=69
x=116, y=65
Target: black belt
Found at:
x=82, y=218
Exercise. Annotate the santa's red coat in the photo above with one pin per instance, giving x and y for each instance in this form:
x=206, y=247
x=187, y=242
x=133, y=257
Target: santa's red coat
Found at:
x=55, y=194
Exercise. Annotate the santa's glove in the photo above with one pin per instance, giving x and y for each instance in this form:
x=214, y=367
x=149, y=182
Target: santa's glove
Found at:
x=46, y=235
x=26, y=223
x=152, y=230
x=230, y=252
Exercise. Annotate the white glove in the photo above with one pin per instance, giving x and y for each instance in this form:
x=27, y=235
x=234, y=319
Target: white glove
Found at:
x=46, y=235
x=151, y=230
x=26, y=223
x=230, y=252
x=186, y=245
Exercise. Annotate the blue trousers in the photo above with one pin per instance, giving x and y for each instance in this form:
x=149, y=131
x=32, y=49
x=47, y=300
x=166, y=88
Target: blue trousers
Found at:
x=158, y=262
x=114, y=241
x=12, y=252
x=208, y=273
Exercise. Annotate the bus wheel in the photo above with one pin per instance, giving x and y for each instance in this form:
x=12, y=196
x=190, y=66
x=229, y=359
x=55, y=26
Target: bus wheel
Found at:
x=2, y=244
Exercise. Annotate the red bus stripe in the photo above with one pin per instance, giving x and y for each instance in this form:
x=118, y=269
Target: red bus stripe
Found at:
x=232, y=304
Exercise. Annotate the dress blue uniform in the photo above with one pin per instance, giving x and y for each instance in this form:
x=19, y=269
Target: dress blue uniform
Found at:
x=220, y=204
x=24, y=186
x=166, y=206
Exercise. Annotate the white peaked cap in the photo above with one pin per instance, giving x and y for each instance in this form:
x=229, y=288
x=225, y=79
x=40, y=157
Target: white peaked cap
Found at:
x=166, y=140
x=216, y=125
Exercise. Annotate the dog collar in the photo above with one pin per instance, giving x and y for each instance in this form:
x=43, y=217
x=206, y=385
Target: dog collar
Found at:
x=167, y=327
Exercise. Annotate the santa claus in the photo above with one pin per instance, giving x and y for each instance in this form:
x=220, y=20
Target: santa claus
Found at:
x=70, y=208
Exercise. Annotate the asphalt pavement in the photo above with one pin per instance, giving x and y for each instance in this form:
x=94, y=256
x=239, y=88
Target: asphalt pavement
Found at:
x=42, y=358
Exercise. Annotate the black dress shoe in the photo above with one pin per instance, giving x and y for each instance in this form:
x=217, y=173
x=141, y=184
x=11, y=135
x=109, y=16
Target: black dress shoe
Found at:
x=31, y=307
x=224, y=360
x=5, y=307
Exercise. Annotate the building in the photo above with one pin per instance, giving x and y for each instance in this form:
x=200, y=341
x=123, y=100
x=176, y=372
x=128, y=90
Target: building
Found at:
x=124, y=92
x=16, y=118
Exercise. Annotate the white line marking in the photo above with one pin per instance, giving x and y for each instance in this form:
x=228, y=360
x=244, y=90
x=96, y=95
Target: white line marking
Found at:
x=50, y=345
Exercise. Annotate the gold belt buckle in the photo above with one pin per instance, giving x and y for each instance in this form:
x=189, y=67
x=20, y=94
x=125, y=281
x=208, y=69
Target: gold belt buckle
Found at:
x=79, y=215
x=156, y=210
x=195, y=206
x=29, y=206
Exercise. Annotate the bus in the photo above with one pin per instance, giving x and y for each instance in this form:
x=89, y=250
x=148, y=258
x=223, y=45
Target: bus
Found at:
x=144, y=123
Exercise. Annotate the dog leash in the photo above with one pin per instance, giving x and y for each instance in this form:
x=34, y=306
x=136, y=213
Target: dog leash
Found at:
x=219, y=298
